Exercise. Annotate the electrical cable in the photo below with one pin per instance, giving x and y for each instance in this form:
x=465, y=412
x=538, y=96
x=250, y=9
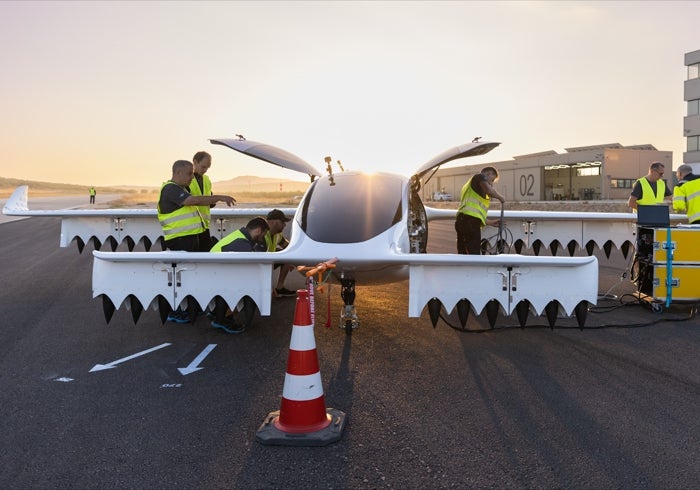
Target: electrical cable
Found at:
x=674, y=318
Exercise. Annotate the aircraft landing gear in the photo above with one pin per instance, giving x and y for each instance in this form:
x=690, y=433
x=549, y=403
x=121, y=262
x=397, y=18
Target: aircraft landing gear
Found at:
x=348, y=316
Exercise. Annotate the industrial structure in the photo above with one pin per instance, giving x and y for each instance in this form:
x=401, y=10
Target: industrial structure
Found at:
x=691, y=122
x=597, y=172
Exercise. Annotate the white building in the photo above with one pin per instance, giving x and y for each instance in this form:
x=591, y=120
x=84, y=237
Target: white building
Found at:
x=691, y=122
x=596, y=172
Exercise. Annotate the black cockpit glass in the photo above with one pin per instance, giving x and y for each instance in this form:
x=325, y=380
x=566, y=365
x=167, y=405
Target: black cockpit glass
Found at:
x=356, y=208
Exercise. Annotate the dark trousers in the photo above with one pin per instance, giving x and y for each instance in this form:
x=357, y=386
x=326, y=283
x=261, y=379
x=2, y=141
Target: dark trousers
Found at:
x=188, y=243
x=92, y=199
x=468, y=230
x=205, y=241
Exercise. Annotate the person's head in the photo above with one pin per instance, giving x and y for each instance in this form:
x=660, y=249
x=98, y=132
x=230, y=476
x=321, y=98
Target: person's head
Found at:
x=490, y=173
x=683, y=170
x=277, y=220
x=257, y=228
x=202, y=162
x=182, y=172
x=656, y=171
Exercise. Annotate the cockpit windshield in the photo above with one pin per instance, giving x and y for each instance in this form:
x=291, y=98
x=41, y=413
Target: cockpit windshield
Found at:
x=355, y=208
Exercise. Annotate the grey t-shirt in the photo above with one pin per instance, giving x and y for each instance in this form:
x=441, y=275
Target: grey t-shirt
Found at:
x=171, y=197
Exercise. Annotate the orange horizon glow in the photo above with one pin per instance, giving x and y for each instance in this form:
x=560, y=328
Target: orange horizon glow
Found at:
x=111, y=93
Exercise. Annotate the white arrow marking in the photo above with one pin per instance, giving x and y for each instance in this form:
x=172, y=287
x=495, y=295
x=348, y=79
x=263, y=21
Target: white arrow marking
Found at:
x=113, y=364
x=194, y=365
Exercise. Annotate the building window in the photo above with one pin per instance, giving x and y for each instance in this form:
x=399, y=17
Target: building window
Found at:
x=694, y=71
x=586, y=172
x=694, y=107
x=693, y=143
x=621, y=183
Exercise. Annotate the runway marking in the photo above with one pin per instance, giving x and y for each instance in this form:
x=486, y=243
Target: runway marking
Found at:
x=113, y=364
x=194, y=365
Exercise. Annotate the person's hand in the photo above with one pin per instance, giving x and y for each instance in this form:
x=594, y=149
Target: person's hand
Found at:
x=493, y=222
x=228, y=200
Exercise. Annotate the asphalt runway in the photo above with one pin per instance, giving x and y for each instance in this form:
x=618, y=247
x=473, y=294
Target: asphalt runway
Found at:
x=613, y=407
x=58, y=202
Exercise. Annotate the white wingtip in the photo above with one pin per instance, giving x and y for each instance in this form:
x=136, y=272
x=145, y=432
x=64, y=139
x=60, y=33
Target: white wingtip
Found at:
x=17, y=201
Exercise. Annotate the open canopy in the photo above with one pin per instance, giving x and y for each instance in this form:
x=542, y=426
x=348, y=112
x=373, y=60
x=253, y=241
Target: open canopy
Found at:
x=270, y=154
x=462, y=151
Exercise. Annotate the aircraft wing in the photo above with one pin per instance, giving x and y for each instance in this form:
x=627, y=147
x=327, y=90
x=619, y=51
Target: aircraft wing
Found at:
x=462, y=151
x=560, y=229
x=270, y=154
x=130, y=226
x=507, y=283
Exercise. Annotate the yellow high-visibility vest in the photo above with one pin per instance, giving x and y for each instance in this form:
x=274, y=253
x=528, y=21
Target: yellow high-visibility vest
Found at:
x=205, y=211
x=184, y=221
x=231, y=237
x=271, y=241
x=472, y=204
x=686, y=199
x=648, y=196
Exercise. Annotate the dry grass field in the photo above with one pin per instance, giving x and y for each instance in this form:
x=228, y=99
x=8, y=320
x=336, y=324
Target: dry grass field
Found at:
x=263, y=199
x=147, y=198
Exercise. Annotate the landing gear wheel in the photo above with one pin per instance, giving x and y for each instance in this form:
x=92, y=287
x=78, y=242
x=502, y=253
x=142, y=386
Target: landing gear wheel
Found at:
x=348, y=317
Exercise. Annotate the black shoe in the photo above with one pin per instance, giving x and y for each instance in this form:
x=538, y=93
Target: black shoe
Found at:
x=179, y=316
x=285, y=292
x=228, y=326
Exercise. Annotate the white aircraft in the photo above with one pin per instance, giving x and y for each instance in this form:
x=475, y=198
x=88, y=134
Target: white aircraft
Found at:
x=374, y=224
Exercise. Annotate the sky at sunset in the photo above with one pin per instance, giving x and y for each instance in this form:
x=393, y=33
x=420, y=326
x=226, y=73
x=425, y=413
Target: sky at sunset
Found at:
x=109, y=93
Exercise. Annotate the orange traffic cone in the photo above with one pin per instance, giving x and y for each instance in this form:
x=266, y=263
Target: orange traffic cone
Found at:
x=303, y=419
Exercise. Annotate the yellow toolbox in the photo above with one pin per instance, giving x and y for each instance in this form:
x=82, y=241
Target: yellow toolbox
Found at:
x=685, y=245
x=685, y=282
x=675, y=249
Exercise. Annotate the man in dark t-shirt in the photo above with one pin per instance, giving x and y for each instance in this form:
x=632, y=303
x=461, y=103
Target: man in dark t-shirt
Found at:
x=651, y=183
x=246, y=239
x=471, y=215
x=175, y=194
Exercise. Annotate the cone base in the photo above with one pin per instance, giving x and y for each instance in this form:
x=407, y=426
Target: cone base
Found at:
x=269, y=434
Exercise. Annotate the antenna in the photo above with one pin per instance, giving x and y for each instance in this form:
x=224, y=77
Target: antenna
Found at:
x=329, y=169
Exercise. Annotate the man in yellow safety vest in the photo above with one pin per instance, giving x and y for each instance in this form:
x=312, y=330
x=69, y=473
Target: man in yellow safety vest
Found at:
x=686, y=195
x=474, y=204
x=274, y=241
x=246, y=239
x=179, y=216
x=650, y=189
x=201, y=186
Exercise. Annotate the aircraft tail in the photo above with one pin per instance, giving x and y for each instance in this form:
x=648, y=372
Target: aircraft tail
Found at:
x=17, y=203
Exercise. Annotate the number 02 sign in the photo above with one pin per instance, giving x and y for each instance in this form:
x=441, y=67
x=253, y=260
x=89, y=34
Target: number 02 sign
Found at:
x=527, y=185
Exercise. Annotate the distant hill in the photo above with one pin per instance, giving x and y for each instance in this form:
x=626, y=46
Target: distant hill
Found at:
x=34, y=185
x=246, y=184
x=253, y=184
